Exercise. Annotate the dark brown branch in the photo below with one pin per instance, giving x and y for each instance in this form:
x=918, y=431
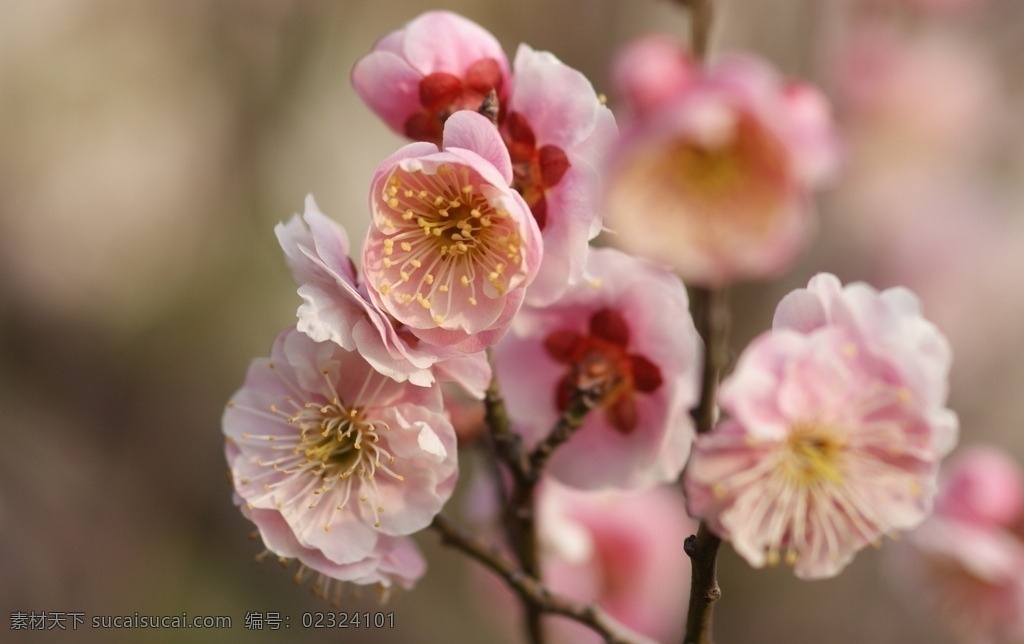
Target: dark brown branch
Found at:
x=711, y=317
x=534, y=593
x=702, y=549
x=507, y=444
x=572, y=419
x=527, y=469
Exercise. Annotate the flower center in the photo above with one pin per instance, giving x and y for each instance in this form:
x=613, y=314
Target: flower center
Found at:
x=335, y=453
x=749, y=167
x=599, y=363
x=812, y=456
x=535, y=170
x=443, y=94
x=447, y=245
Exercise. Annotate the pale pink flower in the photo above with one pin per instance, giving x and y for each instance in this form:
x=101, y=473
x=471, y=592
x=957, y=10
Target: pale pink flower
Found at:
x=558, y=133
x=966, y=562
x=826, y=449
x=620, y=550
x=331, y=459
x=627, y=331
x=713, y=173
x=451, y=246
x=890, y=326
x=419, y=75
x=337, y=308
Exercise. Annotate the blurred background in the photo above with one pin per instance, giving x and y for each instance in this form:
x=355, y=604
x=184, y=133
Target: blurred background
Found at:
x=148, y=149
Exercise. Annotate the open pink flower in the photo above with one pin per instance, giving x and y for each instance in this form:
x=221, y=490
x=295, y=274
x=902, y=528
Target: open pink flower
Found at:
x=966, y=562
x=825, y=450
x=451, y=246
x=620, y=550
x=627, y=332
x=337, y=308
x=331, y=458
x=558, y=132
x=713, y=172
x=418, y=76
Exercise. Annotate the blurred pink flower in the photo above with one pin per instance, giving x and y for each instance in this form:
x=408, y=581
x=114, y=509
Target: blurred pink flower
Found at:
x=337, y=308
x=832, y=438
x=966, y=562
x=622, y=550
x=982, y=486
x=419, y=75
x=629, y=332
x=330, y=458
x=557, y=132
x=451, y=247
x=712, y=174
x=652, y=72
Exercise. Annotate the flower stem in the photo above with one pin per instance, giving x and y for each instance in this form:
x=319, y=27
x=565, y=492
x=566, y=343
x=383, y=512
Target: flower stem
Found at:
x=711, y=317
x=701, y=14
x=527, y=469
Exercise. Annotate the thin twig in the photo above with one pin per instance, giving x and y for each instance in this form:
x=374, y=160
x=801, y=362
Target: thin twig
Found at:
x=701, y=14
x=711, y=317
x=533, y=592
x=527, y=469
x=581, y=403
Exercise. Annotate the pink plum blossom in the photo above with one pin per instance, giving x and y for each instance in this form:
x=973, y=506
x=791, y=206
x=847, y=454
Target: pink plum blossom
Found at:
x=439, y=63
x=451, y=247
x=626, y=332
x=713, y=172
x=333, y=460
x=966, y=562
x=836, y=425
x=621, y=550
x=558, y=133
x=337, y=308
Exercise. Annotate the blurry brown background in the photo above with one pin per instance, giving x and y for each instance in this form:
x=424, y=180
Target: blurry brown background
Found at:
x=146, y=151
